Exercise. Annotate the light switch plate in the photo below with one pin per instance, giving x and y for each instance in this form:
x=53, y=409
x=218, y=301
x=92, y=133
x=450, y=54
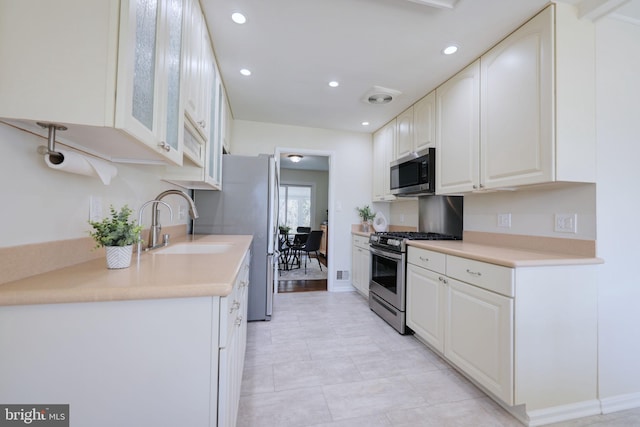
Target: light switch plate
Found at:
x=566, y=223
x=504, y=220
x=95, y=208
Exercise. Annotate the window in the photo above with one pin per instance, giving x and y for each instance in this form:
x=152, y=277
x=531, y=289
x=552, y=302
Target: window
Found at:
x=295, y=206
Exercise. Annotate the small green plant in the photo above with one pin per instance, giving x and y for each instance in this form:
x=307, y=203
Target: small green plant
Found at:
x=116, y=229
x=284, y=229
x=366, y=213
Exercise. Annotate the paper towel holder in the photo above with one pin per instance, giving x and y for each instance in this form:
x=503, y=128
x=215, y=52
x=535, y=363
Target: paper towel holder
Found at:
x=54, y=157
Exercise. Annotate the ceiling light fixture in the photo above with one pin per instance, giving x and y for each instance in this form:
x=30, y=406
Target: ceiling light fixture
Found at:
x=295, y=158
x=334, y=83
x=365, y=123
x=238, y=18
x=450, y=50
x=245, y=72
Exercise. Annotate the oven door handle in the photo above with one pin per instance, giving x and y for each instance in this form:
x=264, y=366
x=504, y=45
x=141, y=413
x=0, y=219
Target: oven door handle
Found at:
x=385, y=254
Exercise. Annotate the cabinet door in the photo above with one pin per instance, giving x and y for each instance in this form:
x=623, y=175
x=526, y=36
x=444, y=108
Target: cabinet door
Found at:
x=360, y=267
x=517, y=138
x=404, y=142
x=424, y=122
x=148, y=94
x=426, y=295
x=383, y=148
x=479, y=337
x=458, y=132
x=196, y=70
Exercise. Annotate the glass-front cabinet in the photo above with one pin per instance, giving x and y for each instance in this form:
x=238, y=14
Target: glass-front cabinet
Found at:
x=150, y=66
x=110, y=71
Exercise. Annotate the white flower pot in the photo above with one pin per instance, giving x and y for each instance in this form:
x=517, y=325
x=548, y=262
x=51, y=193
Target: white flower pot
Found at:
x=118, y=256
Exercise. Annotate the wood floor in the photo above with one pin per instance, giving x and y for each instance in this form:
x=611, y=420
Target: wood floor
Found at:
x=303, y=285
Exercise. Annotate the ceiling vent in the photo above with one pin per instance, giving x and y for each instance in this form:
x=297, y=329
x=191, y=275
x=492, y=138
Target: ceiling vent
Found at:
x=378, y=95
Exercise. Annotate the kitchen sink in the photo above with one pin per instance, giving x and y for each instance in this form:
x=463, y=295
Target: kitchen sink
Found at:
x=194, y=248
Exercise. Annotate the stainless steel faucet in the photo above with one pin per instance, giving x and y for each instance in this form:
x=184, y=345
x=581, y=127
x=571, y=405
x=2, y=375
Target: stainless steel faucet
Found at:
x=156, y=228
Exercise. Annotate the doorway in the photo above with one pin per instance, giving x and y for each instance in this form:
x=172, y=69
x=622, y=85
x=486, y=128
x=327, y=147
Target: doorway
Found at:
x=304, y=199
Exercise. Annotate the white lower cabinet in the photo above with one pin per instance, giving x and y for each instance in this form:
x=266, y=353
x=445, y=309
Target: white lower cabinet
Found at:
x=527, y=335
x=159, y=362
x=426, y=293
x=479, y=336
x=360, y=259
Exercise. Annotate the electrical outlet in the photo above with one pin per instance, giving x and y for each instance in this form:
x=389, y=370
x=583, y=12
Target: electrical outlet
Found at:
x=504, y=220
x=95, y=208
x=566, y=223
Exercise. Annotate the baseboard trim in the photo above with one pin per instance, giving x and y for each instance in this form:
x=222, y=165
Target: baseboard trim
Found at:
x=620, y=402
x=341, y=286
x=564, y=413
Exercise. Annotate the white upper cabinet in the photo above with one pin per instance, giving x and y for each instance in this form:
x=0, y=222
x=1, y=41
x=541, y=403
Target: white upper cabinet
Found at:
x=149, y=74
x=531, y=118
x=198, y=70
x=404, y=136
x=108, y=70
x=458, y=132
x=384, y=141
x=516, y=137
x=416, y=127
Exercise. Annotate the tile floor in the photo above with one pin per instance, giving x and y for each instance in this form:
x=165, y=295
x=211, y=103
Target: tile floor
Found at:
x=326, y=360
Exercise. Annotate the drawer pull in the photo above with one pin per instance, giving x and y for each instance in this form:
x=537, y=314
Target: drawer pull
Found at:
x=474, y=273
x=238, y=321
x=443, y=280
x=234, y=306
x=424, y=259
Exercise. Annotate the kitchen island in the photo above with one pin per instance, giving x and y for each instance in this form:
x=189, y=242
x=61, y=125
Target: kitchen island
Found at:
x=160, y=343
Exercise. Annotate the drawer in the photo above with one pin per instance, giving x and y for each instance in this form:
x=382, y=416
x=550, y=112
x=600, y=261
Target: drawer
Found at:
x=491, y=277
x=360, y=241
x=434, y=261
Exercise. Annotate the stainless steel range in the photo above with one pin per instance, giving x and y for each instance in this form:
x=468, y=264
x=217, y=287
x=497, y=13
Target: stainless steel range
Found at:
x=387, y=285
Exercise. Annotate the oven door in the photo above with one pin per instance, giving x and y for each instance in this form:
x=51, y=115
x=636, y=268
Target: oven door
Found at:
x=387, y=277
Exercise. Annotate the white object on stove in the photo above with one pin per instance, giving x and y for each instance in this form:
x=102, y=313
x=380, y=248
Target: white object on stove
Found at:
x=380, y=222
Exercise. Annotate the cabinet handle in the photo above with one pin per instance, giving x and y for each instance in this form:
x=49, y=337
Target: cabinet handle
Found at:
x=202, y=123
x=238, y=321
x=166, y=147
x=424, y=259
x=474, y=273
x=475, y=187
x=234, y=306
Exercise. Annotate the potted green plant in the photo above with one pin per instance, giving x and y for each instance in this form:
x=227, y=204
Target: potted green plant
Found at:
x=117, y=233
x=367, y=215
x=284, y=229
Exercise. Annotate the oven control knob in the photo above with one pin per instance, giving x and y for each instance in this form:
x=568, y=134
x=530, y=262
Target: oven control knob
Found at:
x=374, y=238
x=393, y=242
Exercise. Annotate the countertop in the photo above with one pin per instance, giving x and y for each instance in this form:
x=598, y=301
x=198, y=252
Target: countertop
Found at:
x=505, y=256
x=152, y=275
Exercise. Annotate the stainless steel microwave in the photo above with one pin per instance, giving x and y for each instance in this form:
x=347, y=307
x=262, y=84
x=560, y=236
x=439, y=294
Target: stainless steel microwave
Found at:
x=414, y=174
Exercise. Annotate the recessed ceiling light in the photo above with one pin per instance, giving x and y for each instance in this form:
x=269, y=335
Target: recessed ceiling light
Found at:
x=334, y=83
x=450, y=50
x=365, y=123
x=245, y=72
x=238, y=18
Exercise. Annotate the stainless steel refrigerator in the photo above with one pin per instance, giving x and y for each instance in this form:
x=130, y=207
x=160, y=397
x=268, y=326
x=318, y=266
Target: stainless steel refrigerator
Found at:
x=247, y=204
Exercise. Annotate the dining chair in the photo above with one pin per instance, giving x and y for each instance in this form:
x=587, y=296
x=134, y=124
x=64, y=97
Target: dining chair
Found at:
x=312, y=244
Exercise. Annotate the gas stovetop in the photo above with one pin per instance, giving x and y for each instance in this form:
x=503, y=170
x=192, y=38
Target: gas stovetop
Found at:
x=395, y=240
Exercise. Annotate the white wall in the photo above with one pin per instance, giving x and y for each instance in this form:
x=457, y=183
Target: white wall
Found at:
x=533, y=211
x=349, y=186
x=41, y=204
x=618, y=129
